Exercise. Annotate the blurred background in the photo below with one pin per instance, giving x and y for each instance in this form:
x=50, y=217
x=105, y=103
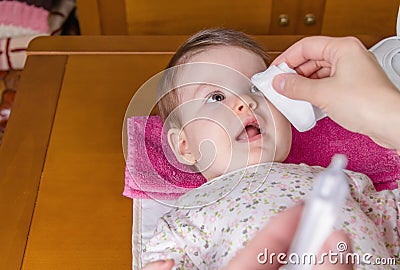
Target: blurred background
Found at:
x=21, y=21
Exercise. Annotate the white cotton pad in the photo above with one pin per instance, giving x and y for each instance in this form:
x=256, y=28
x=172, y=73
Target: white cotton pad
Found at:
x=303, y=115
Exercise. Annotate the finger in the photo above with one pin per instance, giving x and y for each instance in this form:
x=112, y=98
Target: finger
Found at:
x=160, y=265
x=336, y=240
x=321, y=73
x=309, y=48
x=318, y=48
x=311, y=67
x=301, y=88
x=275, y=237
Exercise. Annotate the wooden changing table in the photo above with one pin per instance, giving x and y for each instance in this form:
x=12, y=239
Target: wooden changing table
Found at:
x=61, y=161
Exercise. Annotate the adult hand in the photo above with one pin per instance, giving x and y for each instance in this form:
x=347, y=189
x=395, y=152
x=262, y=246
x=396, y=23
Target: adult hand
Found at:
x=276, y=237
x=344, y=79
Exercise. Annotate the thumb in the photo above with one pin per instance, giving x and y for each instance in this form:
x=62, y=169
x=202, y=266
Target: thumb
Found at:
x=298, y=87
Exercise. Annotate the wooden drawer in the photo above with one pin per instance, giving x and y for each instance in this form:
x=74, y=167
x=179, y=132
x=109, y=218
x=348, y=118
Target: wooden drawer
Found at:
x=259, y=17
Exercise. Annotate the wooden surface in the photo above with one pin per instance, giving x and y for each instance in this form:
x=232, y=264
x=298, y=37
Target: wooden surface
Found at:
x=186, y=17
x=61, y=158
x=296, y=10
x=99, y=17
x=61, y=203
x=81, y=219
x=177, y=17
x=23, y=152
x=363, y=17
x=129, y=45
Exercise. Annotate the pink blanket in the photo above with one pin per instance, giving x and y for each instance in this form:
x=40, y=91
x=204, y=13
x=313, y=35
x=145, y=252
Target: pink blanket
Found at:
x=153, y=172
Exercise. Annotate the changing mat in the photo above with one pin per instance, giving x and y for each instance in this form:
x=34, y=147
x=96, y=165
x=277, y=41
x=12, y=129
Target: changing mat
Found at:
x=146, y=213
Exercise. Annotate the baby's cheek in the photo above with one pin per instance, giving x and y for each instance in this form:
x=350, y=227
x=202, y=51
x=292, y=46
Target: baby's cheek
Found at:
x=283, y=139
x=217, y=151
x=216, y=141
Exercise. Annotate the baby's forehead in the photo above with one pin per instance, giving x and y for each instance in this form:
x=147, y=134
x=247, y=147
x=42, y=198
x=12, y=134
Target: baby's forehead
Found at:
x=193, y=77
x=206, y=72
x=193, y=91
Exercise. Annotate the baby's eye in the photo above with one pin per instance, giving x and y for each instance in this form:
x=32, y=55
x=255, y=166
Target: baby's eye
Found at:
x=215, y=97
x=254, y=89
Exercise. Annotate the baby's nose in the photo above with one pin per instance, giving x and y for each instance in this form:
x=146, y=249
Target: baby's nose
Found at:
x=245, y=102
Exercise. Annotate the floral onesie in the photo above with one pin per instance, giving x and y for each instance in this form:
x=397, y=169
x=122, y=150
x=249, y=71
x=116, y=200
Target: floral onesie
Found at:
x=212, y=222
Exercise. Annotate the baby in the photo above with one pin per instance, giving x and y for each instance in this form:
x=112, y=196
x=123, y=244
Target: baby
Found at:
x=222, y=126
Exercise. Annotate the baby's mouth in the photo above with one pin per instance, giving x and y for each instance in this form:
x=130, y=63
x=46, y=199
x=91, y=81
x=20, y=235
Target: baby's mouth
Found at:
x=250, y=132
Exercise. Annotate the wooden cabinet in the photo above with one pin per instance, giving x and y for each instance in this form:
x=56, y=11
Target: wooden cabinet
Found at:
x=344, y=17
x=334, y=17
x=185, y=17
x=257, y=17
x=290, y=17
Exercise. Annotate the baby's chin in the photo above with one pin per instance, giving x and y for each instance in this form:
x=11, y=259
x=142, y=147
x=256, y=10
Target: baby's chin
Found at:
x=259, y=159
x=210, y=174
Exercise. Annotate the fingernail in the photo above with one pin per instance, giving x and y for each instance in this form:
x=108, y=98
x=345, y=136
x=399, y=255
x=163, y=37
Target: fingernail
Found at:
x=279, y=83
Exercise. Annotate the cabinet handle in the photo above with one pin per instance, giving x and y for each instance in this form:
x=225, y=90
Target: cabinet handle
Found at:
x=309, y=19
x=283, y=20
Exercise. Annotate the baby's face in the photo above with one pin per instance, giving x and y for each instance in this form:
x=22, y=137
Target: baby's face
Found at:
x=230, y=125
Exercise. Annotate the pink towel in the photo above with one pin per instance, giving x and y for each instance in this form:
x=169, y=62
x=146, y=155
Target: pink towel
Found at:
x=318, y=145
x=149, y=174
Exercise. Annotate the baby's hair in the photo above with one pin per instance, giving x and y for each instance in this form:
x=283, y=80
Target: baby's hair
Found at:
x=197, y=43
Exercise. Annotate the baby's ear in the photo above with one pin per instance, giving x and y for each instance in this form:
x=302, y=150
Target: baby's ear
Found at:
x=178, y=143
